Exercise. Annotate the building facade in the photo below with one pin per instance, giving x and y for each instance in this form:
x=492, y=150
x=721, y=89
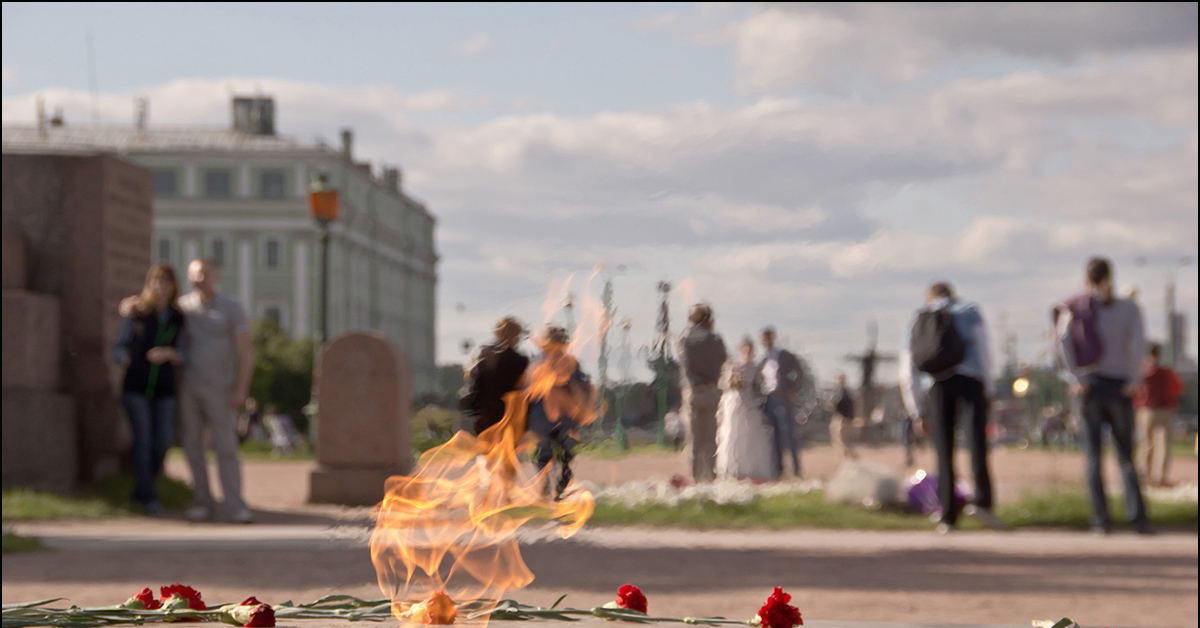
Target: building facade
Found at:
x=239, y=196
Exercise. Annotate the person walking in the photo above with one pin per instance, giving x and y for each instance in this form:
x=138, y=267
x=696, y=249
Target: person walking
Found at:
x=150, y=346
x=215, y=384
x=842, y=410
x=1157, y=402
x=701, y=357
x=949, y=341
x=560, y=396
x=780, y=378
x=1100, y=344
x=496, y=373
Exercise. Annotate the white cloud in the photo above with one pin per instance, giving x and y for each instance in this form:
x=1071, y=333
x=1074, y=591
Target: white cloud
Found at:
x=791, y=211
x=474, y=46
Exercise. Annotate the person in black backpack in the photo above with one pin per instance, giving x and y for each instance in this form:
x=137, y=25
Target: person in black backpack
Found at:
x=948, y=342
x=149, y=345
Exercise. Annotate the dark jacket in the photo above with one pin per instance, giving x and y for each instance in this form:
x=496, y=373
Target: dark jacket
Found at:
x=142, y=334
x=701, y=354
x=843, y=402
x=497, y=373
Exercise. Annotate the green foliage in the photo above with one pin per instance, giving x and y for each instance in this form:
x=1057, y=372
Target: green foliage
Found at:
x=109, y=498
x=14, y=543
x=432, y=426
x=607, y=450
x=448, y=381
x=283, y=371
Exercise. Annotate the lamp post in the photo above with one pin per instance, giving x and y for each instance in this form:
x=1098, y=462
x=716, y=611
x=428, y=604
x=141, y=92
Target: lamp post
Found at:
x=323, y=204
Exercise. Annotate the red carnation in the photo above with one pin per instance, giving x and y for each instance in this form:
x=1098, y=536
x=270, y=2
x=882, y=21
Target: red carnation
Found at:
x=146, y=597
x=632, y=598
x=777, y=613
x=185, y=592
x=251, y=601
x=263, y=616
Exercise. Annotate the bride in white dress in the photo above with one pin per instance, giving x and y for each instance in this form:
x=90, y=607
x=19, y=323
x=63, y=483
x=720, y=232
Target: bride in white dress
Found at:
x=743, y=438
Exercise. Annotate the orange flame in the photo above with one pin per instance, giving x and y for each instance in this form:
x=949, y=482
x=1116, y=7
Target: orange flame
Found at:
x=452, y=524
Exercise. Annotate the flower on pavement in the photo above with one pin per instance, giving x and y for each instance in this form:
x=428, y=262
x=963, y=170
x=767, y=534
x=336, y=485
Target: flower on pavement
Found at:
x=181, y=596
x=438, y=608
x=777, y=613
x=631, y=598
x=143, y=600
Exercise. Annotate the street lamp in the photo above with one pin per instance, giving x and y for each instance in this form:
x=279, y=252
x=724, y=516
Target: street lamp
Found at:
x=323, y=204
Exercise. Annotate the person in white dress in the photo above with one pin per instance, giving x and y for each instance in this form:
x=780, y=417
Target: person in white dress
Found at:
x=743, y=438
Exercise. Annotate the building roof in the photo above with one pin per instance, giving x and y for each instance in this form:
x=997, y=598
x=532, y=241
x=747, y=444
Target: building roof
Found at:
x=157, y=139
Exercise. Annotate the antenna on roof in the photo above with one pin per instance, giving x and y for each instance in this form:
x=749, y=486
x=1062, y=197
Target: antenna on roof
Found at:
x=92, y=83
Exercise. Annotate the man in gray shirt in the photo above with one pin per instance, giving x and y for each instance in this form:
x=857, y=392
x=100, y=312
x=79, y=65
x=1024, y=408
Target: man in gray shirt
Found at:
x=701, y=356
x=1100, y=345
x=216, y=382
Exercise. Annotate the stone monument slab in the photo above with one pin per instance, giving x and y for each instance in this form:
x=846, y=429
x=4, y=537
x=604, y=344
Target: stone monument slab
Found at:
x=16, y=262
x=31, y=341
x=40, y=440
x=364, y=401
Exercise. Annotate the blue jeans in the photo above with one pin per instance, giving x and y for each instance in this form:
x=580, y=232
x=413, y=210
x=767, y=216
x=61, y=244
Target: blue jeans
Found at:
x=1103, y=404
x=153, y=423
x=780, y=416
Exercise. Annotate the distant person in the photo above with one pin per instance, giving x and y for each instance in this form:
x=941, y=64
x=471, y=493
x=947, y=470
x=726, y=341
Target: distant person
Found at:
x=216, y=381
x=780, y=377
x=250, y=423
x=701, y=357
x=496, y=373
x=743, y=439
x=842, y=407
x=151, y=346
x=1157, y=402
x=1100, y=344
x=949, y=342
x=282, y=431
x=560, y=396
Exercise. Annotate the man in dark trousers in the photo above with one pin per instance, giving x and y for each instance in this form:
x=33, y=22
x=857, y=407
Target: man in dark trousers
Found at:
x=781, y=378
x=1100, y=345
x=968, y=383
x=497, y=373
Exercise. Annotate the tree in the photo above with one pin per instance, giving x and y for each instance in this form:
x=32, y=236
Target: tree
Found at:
x=283, y=371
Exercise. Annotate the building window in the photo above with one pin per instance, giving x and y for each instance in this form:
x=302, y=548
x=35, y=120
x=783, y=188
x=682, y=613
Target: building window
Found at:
x=272, y=253
x=273, y=314
x=164, y=250
x=218, y=184
x=271, y=184
x=166, y=183
x=218, y=252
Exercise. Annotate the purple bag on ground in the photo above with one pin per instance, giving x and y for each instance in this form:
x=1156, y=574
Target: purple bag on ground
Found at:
x=923, y=493
x=1085, y=339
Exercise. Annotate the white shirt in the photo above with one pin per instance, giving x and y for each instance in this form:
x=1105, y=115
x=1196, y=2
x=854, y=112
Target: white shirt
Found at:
x=770, y=371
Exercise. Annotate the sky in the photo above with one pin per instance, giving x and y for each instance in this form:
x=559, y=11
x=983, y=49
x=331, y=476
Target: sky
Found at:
x=810, y=166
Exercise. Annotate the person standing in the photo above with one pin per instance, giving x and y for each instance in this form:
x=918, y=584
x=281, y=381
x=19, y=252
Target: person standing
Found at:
x=780, y=377
x=1100, y=344
x=215, y=384
x=949, y=341
x=496, y=373
x=743, y=442
x=150, y=345
x=701, y=357
x=1157, y=402
x=842, y=406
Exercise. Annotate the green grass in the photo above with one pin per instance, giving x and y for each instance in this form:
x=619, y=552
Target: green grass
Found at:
x=109, y=498
x=14, y=543
x=1183, y=448
x=1065, y=508
x=608, y=450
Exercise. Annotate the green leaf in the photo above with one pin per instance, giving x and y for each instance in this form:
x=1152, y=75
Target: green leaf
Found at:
x=33, y=604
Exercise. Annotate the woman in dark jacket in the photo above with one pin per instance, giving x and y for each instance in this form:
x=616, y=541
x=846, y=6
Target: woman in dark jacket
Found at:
x=149, y=345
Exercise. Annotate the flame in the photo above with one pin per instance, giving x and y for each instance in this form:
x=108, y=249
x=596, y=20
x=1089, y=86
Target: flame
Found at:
x=452, y=524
